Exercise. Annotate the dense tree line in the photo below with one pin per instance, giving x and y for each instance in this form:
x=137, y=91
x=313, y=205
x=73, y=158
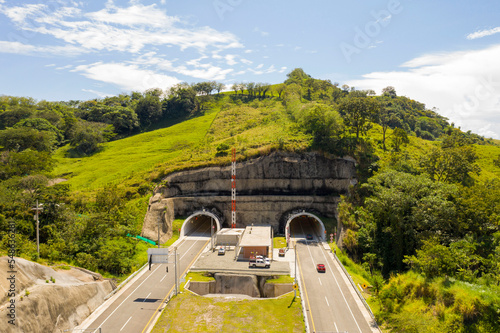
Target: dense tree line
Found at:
x=410, y=210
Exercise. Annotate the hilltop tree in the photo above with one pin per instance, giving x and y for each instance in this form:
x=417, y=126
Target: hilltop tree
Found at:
x=389, y=92
x=297, y=76
x=182, y=101
x=149, y=107
x=358, y=112
x=219, y=87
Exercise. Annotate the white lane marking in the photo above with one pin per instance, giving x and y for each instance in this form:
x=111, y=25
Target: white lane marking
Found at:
x=320, y=281
x=125, y=324
x=308, y=249
x=336, y=328
x=163, y=277
x=326, y=299
x=146, y=298
x=341, y=292
x=129, y=296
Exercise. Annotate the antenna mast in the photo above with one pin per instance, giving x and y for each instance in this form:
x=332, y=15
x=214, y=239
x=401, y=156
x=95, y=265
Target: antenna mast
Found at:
x=233, y=189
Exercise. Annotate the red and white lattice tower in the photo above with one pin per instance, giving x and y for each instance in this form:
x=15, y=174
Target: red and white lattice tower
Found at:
x=233, y=189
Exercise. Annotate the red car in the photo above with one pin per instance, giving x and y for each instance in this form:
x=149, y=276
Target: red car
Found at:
x=320, y=268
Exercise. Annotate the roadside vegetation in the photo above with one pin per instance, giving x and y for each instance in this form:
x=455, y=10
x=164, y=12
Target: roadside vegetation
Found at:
x=190, y=313
x=425, y=212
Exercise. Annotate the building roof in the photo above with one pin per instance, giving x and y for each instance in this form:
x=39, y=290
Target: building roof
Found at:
x=256, y=236
x=231, y=231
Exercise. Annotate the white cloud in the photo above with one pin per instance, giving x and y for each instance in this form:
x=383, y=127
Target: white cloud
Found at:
x=464, y=86
x=64, y=67
x=128, y=77
x=259, y=71
x=483, y=33
x=246, y=61
x=98, y=93
x=16, y=48
x=282, y=70
x=230, y=59
x=129, y=29
x=19, y=14
x=136, y=14
x=262, y=33
x=26, y=49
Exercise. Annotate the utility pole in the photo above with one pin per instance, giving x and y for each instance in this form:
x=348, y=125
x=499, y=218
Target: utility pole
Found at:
x=37, y=209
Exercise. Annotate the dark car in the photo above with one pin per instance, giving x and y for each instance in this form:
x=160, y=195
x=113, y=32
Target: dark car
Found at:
x=309, y=237
x=320, y=268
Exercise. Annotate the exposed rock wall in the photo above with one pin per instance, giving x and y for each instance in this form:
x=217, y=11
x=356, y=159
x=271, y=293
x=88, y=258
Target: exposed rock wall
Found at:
x=50, y=307
x=236, y=284
x=250, y=285
x=268, y=188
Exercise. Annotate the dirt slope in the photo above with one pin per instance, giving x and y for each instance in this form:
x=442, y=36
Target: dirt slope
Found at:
x=50, y=307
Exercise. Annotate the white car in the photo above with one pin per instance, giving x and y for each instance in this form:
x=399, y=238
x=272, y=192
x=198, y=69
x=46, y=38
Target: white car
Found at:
x=259, y=262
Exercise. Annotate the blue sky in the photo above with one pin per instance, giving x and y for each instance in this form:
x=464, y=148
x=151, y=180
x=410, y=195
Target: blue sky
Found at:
x=445, y=54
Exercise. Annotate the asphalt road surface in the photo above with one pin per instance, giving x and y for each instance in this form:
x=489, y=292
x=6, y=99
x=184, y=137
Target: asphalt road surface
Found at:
x=331, y=303
x=135, y=308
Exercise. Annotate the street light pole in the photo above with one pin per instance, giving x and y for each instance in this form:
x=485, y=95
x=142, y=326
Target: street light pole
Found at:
x=37, y=209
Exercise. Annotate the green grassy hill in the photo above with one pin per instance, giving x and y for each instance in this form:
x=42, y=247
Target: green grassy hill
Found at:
x=255, y=128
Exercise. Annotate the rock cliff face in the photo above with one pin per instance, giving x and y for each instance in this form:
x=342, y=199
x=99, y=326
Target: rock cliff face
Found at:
x=268, y=188
x=53, y=306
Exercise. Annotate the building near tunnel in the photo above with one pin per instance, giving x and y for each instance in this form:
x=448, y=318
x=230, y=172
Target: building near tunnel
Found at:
x=271, y=191
x=256, y=240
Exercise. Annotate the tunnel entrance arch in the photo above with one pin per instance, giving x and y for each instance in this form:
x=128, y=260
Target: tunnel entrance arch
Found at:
x=311, y=224
x=199, y=223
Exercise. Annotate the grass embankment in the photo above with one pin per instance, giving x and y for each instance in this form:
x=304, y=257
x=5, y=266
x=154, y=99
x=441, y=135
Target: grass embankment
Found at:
x=253, y=129
x=410, y=303
x=131, y=159
x=190, y=313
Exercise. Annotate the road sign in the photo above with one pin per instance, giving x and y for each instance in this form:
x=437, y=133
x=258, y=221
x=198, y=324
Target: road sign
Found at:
x=295, y=287
x=158, y=256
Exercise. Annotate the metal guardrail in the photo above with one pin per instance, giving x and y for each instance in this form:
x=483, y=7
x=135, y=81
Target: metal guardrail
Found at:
x=355, y=287
x=124, y=282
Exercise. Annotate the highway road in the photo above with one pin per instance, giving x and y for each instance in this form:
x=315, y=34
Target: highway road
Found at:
x=135, y=308
x=331, y=303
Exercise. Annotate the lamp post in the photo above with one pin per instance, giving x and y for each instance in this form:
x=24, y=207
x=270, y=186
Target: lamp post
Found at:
x=38, y=208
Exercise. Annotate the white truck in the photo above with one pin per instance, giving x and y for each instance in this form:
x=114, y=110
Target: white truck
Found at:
x=259, y=262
